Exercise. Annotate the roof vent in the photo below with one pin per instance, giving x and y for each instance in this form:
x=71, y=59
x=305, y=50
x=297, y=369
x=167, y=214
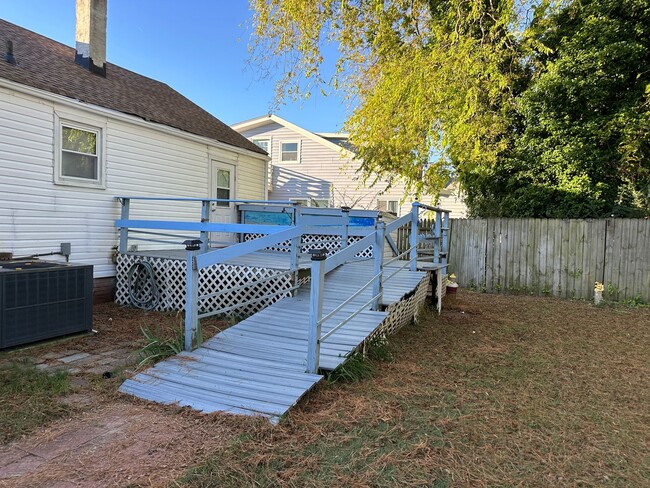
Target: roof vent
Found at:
x=9, y=57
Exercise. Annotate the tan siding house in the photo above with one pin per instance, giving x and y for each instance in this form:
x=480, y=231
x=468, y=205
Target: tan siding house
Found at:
x=319, y=170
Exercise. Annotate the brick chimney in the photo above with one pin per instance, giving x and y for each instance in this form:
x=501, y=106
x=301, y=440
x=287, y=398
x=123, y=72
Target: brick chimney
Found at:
x=91, y=35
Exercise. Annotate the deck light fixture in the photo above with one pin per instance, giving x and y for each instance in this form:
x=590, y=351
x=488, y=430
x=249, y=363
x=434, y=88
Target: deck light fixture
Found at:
x=318, y=254
x=192, y=244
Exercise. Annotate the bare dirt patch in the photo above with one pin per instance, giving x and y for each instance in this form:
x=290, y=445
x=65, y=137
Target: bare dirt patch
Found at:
x=115, y=445
x=95, y=436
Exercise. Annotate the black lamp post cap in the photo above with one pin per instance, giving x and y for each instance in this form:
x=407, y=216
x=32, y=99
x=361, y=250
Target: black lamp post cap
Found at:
x=318, y=254
x=192, y=244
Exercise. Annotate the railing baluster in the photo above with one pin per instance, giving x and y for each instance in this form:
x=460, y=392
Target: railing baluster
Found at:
x=191, y=295
x=124, y=231
x=295, y=247
x=205, y=217
x=318, y=257
x=437, y=237
x=378, y=256
x=445, y=241
x=345, y=215
x=413, y=236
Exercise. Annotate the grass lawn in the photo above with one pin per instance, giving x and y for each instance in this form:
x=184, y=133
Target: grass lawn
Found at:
x=498, y=391
x=29, y=398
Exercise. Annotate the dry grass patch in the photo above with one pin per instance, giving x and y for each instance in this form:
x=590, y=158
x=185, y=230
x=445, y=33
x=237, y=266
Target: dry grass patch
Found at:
x=498, y=391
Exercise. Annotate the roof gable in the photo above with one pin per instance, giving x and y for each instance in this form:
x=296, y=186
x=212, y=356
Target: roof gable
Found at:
x=48, y=65
x=325, y=141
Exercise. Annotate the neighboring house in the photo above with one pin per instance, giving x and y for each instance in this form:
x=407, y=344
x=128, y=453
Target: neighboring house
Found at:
x=75, y=131
x=320, y=169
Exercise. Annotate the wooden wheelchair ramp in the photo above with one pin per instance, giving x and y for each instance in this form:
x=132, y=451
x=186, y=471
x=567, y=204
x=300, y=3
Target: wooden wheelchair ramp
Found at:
x=257, y=367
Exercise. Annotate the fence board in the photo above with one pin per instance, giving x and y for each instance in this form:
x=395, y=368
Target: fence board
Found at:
x=559, y=257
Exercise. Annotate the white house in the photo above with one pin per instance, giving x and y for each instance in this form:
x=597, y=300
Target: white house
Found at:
x=76, y=131
x=320, y=169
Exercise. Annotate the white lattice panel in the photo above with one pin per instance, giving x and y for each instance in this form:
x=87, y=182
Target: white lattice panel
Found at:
x=403, y=312
x=170, y=280
x=313, y=241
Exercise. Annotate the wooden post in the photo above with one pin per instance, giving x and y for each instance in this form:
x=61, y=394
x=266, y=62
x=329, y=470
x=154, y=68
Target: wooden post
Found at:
x=191, y=294
x=445, y=240
x=295, y=247
x=205, y=217
x=378, y=257
x=413, y=237
x=318, y=257
x=124, y=231
x=437, y=241
x=345, y=214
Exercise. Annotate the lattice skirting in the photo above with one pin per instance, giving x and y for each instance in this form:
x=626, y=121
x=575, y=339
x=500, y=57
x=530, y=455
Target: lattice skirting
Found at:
x=170, y=279
x=403, y=312
x=312, y=241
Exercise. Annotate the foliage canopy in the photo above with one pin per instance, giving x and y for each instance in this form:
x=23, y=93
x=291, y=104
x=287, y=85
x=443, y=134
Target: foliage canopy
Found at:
x=496, y=93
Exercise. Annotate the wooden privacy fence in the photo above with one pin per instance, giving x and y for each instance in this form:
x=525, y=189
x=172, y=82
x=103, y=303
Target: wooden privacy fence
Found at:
x=562, y=258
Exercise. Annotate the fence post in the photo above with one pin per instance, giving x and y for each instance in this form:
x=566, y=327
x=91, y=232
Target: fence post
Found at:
x=345, y=214
x=378, y=256
x=191, y=294
x=413, y=236
x=318, y=257
x=205, y=217
x=124, y=231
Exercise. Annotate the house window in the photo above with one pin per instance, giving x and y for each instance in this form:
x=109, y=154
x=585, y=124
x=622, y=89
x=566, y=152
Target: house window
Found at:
x=391, y=206
x=79, y=158
x=263, y=143
x=302, y=201
x=312, y=202
x=223, y=187
x=320, y=203
x=289, y=152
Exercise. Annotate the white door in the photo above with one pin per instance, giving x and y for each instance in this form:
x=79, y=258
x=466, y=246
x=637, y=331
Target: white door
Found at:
x=223, y=188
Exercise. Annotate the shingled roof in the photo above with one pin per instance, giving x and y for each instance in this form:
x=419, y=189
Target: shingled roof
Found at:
x=49, y=65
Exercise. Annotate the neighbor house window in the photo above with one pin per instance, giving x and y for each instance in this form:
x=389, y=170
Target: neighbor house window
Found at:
x=79, y=158
x=391, y=206
x=320, y=203
x=263, y=143
x=289, y=152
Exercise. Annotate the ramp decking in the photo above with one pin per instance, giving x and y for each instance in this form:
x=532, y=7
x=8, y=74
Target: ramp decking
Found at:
x=257, y=367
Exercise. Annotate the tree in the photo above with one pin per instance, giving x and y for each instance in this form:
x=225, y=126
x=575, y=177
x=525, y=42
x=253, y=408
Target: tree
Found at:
x=425, y=77
x=543, y=116
x=584, y=148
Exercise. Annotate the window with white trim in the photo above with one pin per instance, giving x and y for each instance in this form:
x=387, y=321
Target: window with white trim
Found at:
x=262, y=143
x=289, y=152
x=391, y=206
x=79, y=158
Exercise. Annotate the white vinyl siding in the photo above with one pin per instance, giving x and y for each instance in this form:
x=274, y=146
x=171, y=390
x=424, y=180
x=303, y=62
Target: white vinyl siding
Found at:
x=36, y=215
x=322, y=174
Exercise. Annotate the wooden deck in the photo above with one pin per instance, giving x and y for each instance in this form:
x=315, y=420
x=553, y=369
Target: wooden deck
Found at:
x=257, y=367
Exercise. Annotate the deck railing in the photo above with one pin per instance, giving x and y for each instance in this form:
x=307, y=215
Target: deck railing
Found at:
x=333, y=222
x=321, y=265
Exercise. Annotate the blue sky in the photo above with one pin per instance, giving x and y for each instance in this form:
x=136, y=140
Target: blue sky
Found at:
x=198, y=47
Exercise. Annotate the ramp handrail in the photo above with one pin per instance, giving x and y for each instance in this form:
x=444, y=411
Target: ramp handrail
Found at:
x=322, y=264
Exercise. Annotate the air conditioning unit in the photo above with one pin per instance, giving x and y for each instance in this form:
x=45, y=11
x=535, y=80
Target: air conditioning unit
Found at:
x=42, y=300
